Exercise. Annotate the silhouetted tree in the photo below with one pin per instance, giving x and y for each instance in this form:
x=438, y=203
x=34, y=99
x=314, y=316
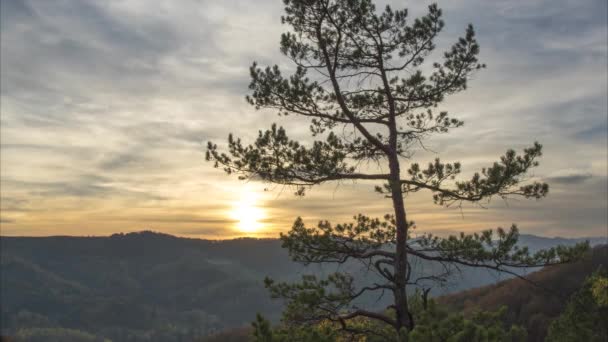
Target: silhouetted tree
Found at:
x=361, y=71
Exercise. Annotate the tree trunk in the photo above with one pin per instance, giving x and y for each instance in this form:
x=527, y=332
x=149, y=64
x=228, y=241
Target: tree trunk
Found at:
x=400, y=269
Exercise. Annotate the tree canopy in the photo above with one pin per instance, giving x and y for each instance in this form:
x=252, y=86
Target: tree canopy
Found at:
x=586, y=315
x=434, y=323
x=362, y=78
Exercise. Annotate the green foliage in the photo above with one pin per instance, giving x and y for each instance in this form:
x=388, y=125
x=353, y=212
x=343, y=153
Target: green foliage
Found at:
x=314, y=299
x=328, y=243
x=535, y=302
x=501, y=179
x=262, y=331
x=433, y=324
x=319, y=333
x=276, y=158
x=484, y=249
x=586, y=315
x=599, y=288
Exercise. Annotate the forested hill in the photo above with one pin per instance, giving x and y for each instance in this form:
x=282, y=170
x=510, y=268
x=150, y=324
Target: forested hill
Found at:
x=532, y=304
x=535, y=303
x=134, y=283
x=148, y=286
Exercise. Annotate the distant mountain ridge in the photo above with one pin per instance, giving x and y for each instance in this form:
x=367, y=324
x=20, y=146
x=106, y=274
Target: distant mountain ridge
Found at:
x=541, y=242
x=146, y=284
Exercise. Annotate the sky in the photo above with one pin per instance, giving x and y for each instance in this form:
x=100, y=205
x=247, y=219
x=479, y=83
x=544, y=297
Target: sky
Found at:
x=106, y=108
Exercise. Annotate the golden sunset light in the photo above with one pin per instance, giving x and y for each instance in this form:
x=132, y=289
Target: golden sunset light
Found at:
x=248, y=212
x=149, y=173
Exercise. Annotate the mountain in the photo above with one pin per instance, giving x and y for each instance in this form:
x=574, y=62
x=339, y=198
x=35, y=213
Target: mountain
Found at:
x=131, y=284
x=535, y=243
x=149, y=286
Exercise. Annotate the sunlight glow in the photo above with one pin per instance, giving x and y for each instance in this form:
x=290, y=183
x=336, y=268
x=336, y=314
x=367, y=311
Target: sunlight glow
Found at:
x=248, y=213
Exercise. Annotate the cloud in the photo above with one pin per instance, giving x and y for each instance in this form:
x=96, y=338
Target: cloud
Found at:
x=569, y=177
x=13, y=204
x=187, y=219
x=86, y=186
x=106, y=106
x=597, y=132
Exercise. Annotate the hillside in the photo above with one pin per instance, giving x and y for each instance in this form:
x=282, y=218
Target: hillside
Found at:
x=149, y=286
x=135, y=283
x=533, y=306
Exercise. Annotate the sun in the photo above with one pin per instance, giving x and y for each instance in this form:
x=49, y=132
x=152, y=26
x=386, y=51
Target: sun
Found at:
x=248, y=213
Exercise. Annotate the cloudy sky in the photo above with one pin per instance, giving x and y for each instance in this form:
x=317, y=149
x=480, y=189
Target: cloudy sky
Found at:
x=106, y=107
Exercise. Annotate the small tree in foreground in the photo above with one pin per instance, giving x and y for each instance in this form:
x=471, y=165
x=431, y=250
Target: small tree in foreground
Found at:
x=433, y=323
x=359, y=79
x=585, y=318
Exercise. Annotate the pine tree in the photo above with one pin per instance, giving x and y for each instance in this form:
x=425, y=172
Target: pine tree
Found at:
x=359, y=70
x=585, y=318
